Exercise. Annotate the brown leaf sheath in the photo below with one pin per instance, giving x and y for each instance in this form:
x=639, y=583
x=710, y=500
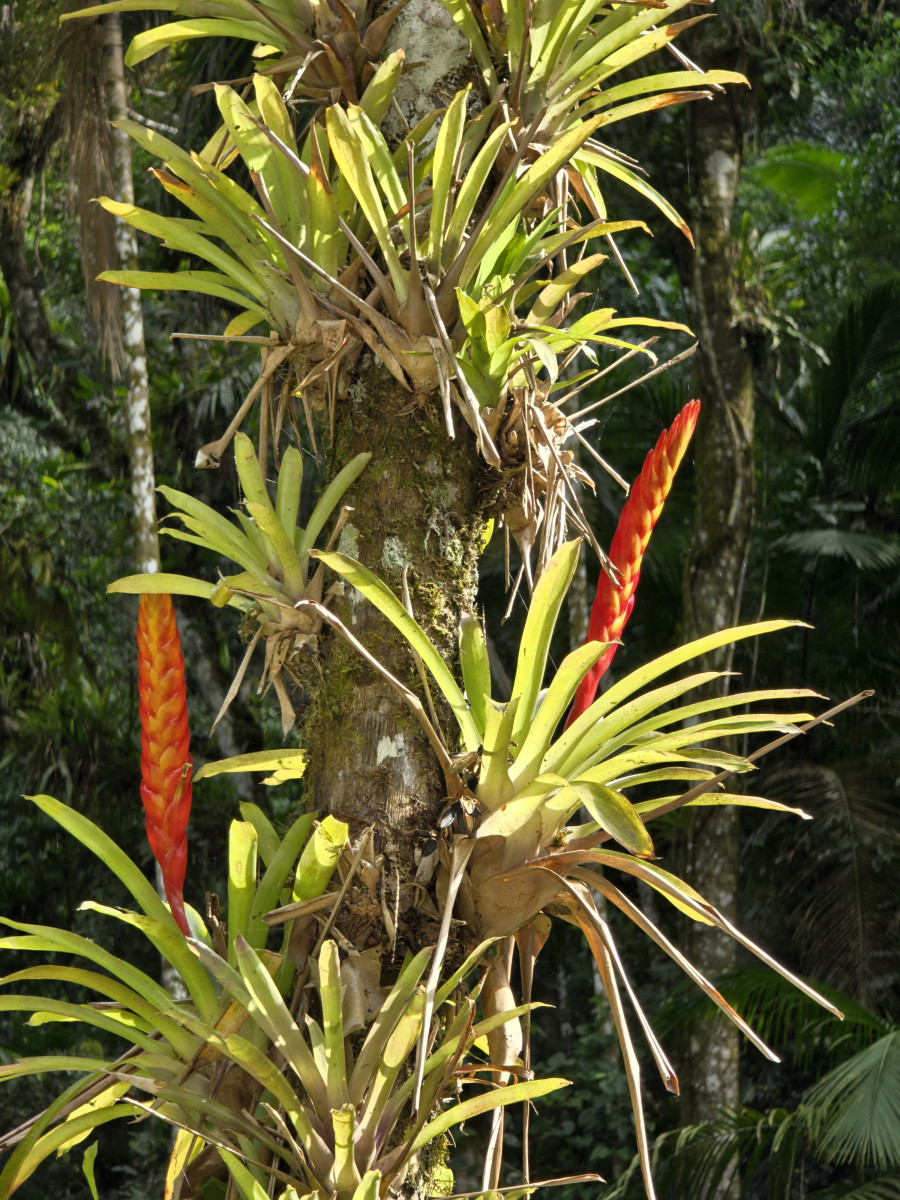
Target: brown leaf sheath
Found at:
x=166, y=762
x=612, y=604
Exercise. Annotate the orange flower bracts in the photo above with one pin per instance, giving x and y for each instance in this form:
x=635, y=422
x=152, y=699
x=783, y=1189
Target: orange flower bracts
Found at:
x=165, y=759
x=613, y=604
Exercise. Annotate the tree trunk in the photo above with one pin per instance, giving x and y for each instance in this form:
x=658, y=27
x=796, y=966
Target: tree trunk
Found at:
x=723, y=449
x=137, y=385
x=415, y=507
x=48, y=391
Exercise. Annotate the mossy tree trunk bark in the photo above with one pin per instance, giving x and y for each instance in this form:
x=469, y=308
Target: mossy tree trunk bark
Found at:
x=714, y=576
x=415, y=510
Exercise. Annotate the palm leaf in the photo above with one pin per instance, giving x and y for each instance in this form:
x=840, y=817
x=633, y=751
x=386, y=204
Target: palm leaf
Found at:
x=854, y=1112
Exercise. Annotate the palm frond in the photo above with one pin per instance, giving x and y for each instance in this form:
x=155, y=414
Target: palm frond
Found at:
x=840, y=859
x=701, y=1160
x=867, y=551
x=795, y=1026
x=864, y=352
x=854, y=1112
x=885, y=1187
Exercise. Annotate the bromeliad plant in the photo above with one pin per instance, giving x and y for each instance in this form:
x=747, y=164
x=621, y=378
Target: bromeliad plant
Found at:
x=281, y=1065
x=514, y=791
x=455, y=259
x=273, y=551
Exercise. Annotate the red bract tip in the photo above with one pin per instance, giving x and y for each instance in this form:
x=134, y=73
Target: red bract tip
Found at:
x=613, y=603
x=166, y=762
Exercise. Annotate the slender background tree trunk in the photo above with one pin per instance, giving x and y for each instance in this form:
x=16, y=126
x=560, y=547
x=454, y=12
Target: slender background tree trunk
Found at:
x=137, y=385
x=714, y=575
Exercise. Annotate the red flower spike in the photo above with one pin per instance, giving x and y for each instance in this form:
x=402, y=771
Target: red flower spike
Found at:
x=166, y=762
x=613, y=604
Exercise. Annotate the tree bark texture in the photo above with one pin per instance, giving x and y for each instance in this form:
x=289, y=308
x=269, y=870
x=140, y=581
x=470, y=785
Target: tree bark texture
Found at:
x=415, y=509
x=137, y=384
x=48, y=389
x=714, y=575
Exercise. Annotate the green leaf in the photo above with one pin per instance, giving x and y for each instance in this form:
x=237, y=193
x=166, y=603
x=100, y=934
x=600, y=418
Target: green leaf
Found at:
x=221, y=219
x=621, y=728
x=29, y=1155
x=329, y=499
x=854, y=1111
x=287, y=497
x=396, y=1052
x=670, y=79
x=273, y=882
x=228, y=540
x=649, y=808
x=806, y=175
x=289, y=199
x=534, y=647
x=182, y=1043
x=554, y=705
x=494, y=785
x=186, y=236
x=258, y=760
x=517, y=198
x=384, y=1024
x=269, y=1011
x=564, y=750
x=476, y=669
x=471, y=189
x=162, y=583
x=511, y=1094
x=626, y=175
x=675, y=890
x=553, y=294
x=616, y=815
x=84, y=1013
x=462, y=14
x=171, y=944
x=100, y=844
x=376, y=99
x=151, y=41
x=244, y=1179
x=268, y=841
x=291, y=570
x=242, y=843
x=206, y=283
x=381, y=596
x=443, y=171
x=88, y=1161
x=320, y=857
x=353, y=163
x=46, y=938
x=866, y=551
x=329, y=988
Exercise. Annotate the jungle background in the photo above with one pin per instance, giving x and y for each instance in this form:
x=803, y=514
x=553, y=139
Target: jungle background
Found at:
x=812, y=256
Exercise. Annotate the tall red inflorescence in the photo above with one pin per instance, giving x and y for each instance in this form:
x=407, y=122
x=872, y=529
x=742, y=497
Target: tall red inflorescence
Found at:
x=166, y=762
x=613, y=603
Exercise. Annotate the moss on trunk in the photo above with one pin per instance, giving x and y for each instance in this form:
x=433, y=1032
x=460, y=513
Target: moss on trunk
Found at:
x=414, y=509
